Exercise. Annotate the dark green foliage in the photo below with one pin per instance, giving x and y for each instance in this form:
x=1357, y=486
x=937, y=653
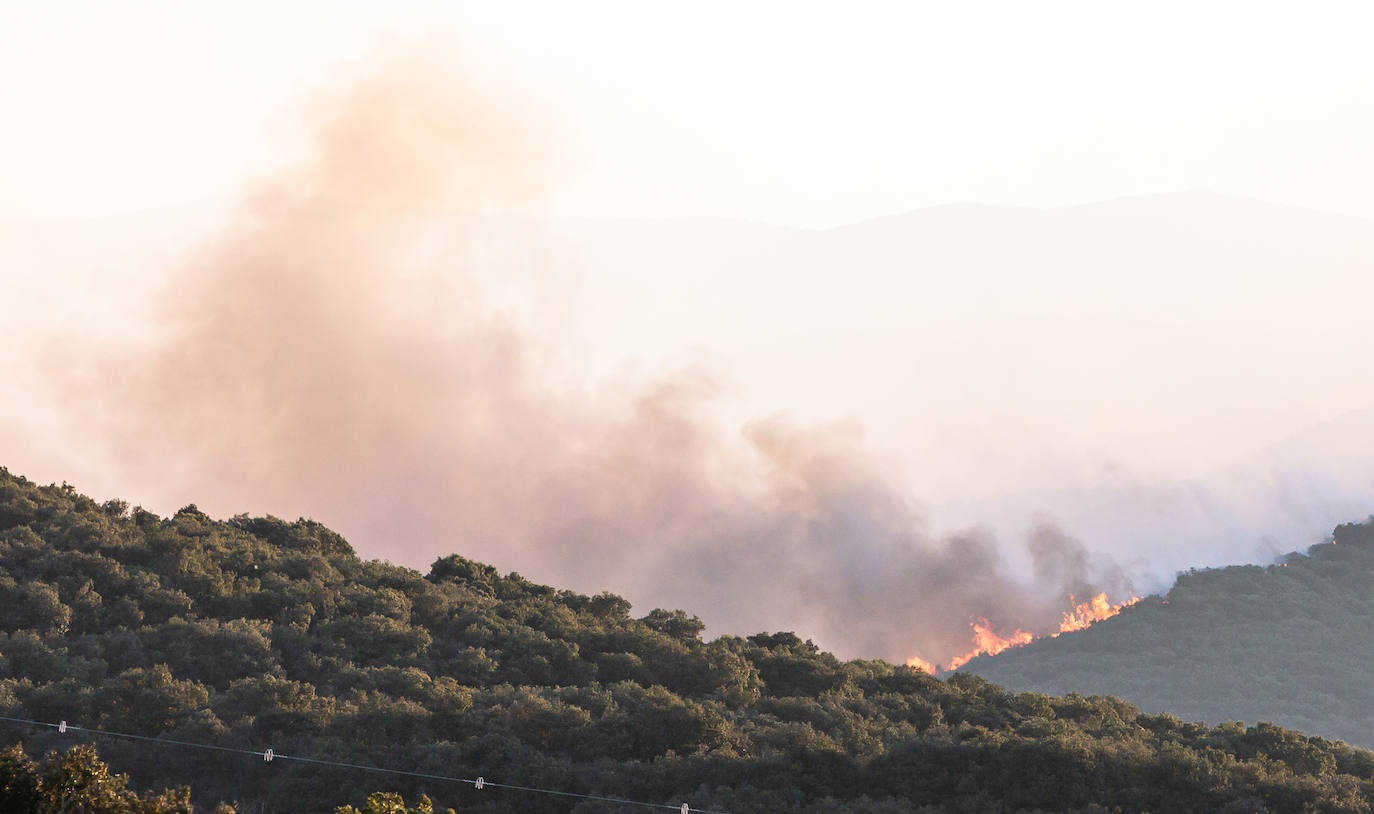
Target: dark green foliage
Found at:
x=1291, y=643
x=260, y=633
x=78, y=782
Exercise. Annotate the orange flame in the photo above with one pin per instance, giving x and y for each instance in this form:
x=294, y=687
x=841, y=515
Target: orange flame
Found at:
x=918, y=663
x=1096, y=609
x=986, y=640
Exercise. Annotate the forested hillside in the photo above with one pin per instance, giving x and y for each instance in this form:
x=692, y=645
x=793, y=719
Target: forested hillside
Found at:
x=258, y=633
x=1291, y=643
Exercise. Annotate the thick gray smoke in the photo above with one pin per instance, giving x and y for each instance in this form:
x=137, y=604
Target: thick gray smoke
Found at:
x=330, y=354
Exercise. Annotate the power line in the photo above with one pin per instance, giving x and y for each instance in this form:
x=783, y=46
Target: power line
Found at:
x=268, y=755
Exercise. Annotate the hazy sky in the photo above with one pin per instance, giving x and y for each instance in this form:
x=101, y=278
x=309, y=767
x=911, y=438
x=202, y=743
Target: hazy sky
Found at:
x=797, y=113
x=897, y=426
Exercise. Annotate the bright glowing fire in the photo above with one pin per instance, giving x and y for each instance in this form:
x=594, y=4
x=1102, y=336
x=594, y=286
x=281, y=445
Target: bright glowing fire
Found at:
x=986, y=640
x=918, y=663
x=1094, y=610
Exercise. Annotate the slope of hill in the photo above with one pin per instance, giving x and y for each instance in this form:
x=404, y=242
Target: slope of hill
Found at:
x=1291, y=643
x=257, y=632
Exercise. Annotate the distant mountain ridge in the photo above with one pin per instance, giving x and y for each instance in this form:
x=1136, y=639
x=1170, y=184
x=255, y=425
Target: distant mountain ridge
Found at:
x=1291, y=643
x=1001, y=363
x=1214, y=299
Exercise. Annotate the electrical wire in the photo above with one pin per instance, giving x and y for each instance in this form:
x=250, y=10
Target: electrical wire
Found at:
x=268, y=755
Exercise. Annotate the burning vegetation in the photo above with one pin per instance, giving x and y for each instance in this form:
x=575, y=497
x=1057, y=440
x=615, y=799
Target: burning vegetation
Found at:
x=987, y=641
x=1096, y=609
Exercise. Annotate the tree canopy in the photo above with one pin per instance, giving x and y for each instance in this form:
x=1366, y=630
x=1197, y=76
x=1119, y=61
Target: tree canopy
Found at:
x=261, y=633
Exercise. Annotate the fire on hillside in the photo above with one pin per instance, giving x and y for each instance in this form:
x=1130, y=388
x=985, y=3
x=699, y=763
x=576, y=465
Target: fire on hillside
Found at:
x=988, y=641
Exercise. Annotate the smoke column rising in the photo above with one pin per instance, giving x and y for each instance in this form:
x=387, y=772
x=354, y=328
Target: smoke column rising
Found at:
x=330, y=354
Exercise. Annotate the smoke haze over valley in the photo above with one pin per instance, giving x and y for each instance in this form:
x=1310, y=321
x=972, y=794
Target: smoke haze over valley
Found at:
x=870, y=434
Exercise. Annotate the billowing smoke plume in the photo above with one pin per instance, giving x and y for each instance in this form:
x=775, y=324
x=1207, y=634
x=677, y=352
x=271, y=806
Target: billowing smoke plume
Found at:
x=329, y=354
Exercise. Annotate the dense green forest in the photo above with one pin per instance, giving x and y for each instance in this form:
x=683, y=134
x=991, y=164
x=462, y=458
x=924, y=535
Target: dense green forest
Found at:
x=258, y=633
x=1291, y=643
